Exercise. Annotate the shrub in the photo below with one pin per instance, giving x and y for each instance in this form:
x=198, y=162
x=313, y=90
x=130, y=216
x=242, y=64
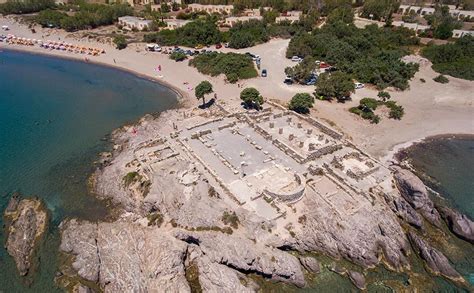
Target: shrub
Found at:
x=396, y=111
x=301, y=103
x=131, y=177
x=234, y=66
x=25, y=6
x=441, y=79
x=383, y=95
x=120, y=42
x=456, y=59
x=230, y=219
x=178, y=56
x=338, y=85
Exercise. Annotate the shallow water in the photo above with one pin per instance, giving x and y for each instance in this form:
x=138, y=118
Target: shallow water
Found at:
x=446, y=165
x=55, y=116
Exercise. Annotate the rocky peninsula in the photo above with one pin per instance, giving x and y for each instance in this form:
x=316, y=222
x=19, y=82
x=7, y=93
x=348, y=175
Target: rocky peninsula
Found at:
x=209, y=200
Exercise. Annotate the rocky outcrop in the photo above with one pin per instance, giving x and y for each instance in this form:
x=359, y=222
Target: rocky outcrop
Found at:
x=310, y=264
x=354, y=236
x=436, y=262
x=215, y=277
x=126, y=257
x=458, y=223
x=357, y=279
x=26, y=223
x=404, y=211
x=246, y=256
x=414, y=192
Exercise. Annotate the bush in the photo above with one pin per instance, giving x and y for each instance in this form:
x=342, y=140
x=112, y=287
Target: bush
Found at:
x=251, y=98
x=230, y=219
x=456, y=59
x=25, y=6
x=396, y=112
x=178, y=56
x=234, y=66
x=301, y=103
x=367, y=106
x=383, y=95
x=120, y=42
x=441, y=79
x=338, y=85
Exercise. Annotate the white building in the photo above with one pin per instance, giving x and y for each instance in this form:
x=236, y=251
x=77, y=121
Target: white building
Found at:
x=231, y=21
x=221, y=9
x=132, y=22
x=173, y=24
x=414, y=26
x=461, y=33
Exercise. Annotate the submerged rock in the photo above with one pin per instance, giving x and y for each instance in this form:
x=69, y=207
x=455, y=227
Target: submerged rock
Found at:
x=458, y=223
x=27, y=219
x=357, y=279
x=437, y=262
x=414, y=192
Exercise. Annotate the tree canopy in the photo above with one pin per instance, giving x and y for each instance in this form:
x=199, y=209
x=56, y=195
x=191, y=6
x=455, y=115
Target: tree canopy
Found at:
x=455, y=59
x=234, y=66
x=337, y=85
x=198, y=32
x=251, y=98
x=370, y=55
x=303, y=71
x=202, y=89
x=301, y=103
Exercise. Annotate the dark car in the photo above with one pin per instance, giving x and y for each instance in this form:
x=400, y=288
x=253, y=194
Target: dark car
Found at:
x=218, y=46
x=264, y=73
x=288, y=80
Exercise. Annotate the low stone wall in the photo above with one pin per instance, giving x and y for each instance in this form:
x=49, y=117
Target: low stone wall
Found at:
x=205, y=123
x=322, y=152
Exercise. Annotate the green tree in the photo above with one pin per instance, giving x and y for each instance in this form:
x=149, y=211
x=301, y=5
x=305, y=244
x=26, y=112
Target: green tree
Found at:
x=202, y=89
x=301, y=103
x=120, y=42
x=164, y=8
x=379, y=9
x=303, y=71
x=343, y=14
x=251, y=98
x=337, y=85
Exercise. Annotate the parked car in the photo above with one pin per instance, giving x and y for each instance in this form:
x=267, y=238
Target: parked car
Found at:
x=288, y=80
x=264, y=73
x=296, y=59
x=199, y=47
x=196, y=52
x=358, y=85
x=226, y=45
x=218, y=46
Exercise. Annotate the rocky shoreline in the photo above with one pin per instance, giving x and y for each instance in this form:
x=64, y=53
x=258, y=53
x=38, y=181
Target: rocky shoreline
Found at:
x=173, y=225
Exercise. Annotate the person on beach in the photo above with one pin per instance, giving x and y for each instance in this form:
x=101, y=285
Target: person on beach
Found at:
x=114, y=61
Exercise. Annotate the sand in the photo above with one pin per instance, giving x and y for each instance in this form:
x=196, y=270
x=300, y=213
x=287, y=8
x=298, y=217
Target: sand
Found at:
x=430, y=108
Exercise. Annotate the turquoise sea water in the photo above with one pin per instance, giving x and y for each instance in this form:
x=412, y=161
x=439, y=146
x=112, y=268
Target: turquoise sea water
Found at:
x=55, y=116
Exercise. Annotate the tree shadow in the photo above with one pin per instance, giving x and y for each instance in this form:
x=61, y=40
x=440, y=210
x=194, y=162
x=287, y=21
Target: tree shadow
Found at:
x=207, y=104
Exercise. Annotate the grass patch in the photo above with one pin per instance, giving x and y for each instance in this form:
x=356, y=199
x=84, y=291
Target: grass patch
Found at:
x=192, y=276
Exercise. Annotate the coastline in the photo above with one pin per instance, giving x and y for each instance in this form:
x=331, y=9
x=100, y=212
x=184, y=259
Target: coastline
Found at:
x=431, y=108
x=181, y=95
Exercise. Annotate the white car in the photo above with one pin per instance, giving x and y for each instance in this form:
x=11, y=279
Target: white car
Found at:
x=296, y=59
x=358, y=85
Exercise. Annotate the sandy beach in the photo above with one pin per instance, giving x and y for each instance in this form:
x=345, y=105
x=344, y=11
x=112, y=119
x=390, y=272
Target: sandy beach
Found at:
x=430, y=108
